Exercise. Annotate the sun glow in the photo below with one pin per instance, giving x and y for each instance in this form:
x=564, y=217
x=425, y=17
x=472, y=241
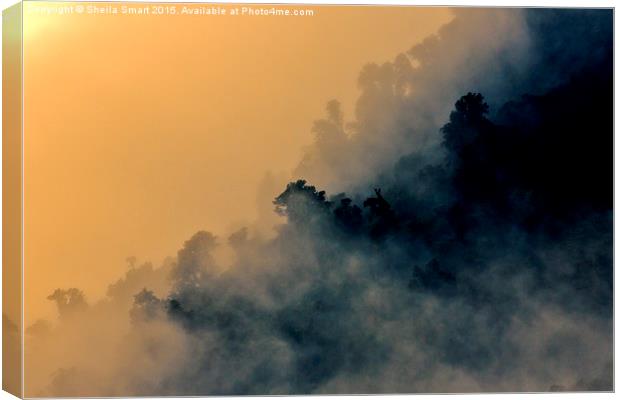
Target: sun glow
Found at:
x=40, y=17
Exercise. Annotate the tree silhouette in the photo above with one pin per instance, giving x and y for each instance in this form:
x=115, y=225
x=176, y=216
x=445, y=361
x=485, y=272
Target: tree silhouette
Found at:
x=301, y=202
x=348, y=217
x=194, y=260
x=146, y=306
x=381, y=217
x=68, y=301
x=466, y=121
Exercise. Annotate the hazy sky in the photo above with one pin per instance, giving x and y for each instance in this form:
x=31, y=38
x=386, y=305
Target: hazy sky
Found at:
x=141, y=130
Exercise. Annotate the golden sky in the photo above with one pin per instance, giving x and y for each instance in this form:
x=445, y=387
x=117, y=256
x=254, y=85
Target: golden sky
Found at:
x=141, y=130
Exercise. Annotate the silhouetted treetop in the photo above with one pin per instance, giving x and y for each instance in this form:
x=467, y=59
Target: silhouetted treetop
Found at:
x=465, y=121
x=68, y=301
x=146, y=306
x=348, y=216
x=194, y=259
x=381, y=217
x=471, y=106
x=300, y=201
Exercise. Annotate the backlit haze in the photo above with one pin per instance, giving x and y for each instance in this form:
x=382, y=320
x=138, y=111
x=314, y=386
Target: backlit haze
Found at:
x=140, y=132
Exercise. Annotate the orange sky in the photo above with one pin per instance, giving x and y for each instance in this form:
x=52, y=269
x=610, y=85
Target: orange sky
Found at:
x=141, y=130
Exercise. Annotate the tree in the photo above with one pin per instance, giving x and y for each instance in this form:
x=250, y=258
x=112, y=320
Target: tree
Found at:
x=68, y=301
x=301, y=202
x=146, y=306
x=466, y=121
x=381, y=216
x=194, y=260
x=349, y=217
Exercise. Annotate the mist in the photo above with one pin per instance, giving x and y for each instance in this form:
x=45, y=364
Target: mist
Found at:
x=454, y=236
